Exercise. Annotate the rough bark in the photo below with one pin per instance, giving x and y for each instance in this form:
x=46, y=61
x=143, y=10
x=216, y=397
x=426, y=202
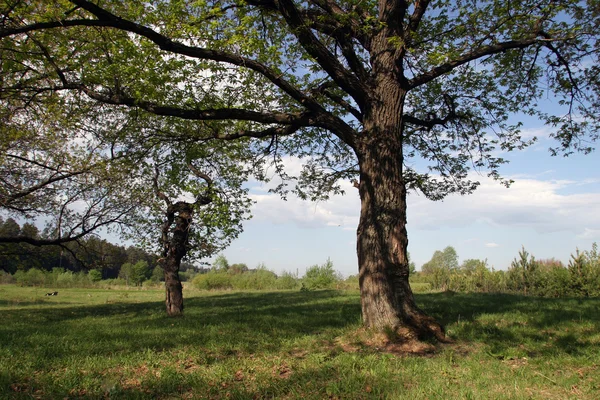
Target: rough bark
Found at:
x=386, y=297
x=174, y=249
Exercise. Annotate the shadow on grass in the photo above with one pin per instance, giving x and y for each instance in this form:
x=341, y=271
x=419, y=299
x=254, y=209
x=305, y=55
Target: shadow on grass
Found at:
x=235, y=323
x=221, y=329
x=226, y=323
x=514, y=325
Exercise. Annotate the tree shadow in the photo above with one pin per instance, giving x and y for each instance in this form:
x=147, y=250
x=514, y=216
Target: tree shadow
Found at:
x=518, y=325
x=217, y=328
x=233, y=322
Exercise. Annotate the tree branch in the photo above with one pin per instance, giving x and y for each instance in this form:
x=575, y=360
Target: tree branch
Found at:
x=470, y=56
x=320, y=53
x=417, y=15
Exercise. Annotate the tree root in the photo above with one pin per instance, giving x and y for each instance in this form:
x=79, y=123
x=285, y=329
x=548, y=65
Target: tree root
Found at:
x=423, y=327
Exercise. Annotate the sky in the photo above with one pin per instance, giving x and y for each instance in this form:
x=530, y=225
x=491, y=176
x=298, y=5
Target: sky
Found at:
x=552, y=209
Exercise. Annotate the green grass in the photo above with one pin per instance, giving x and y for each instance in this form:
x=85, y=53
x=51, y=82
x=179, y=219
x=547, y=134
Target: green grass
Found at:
x=90, y=343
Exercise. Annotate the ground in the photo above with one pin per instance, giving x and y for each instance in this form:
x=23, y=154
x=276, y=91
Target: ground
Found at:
x=96, y=343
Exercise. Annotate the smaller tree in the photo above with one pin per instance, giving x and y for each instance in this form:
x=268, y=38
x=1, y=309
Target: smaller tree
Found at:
x=320, y=276
x=95, y=275
x=140, y=272
x=237, y=269
x=440, y=266
x=523, y=272
x=471, y=265
x=157, y=274
x=126, y=272
x=220, y=264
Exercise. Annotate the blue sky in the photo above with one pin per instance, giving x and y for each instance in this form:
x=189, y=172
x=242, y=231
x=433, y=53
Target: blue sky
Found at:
x=552, y=208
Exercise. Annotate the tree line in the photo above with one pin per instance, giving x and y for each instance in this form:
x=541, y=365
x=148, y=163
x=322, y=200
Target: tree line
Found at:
x=526, y=274
x=98, y=257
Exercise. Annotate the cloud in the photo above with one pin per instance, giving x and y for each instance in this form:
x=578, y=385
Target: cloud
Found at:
x=531, y=202
x=544, y=205
x=339, y=211
x=492, y=245
x=541, y=132
x=591, y=234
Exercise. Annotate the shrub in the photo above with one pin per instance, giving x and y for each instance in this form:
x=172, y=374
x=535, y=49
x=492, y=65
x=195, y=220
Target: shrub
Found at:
x=213, y=281
x=259, y=279
x=149, y=283
x=107, y=283
x=95, y=275
x=320, y=276
x=6, y=278
x=287, y=281
x=350, y=283
x=158, y=274
x=33, y=277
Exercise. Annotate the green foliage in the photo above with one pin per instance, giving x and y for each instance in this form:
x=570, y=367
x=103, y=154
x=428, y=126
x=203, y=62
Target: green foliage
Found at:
x=237, y=268
x=95, y=275
x=584, y=272
x=255, y=279
x=55, y=279
x=545, y=278
x=440, y=266
x=350, y=283
x=259, y=279
x=287, y=281
x=220, y=264
x=320, y=276
x=523, y=274
x=135, y=274
x=158, y=275
x=6, y=278
x=213, y=281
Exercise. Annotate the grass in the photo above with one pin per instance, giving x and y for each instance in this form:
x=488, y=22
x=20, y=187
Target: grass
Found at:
x=91, y=343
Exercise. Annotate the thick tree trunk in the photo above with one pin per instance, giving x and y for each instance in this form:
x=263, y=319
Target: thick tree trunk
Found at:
x=175, y=247
x=386, y=297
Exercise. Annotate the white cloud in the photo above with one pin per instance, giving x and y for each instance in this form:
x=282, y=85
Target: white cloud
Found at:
x=544, y=205
x=492, y=245
x=339, y=211
x=591, y=234
x=539, y=132
x=538, y=204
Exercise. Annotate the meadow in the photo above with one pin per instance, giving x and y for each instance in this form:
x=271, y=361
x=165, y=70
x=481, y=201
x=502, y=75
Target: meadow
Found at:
x=101, y=343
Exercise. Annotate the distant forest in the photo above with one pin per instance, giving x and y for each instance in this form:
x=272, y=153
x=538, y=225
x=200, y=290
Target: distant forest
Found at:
x=89, y=253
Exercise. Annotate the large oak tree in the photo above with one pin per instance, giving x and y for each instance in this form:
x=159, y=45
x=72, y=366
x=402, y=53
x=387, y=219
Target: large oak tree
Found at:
x=397, y=94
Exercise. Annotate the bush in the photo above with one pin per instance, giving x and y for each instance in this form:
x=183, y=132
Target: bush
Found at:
x=158, y=274
x=350, y=283
x=33, y=277
x=108, y=283
x=259, y=279
x=95, y=275
x=287, y=281
x=149, y=283
x=320, y=276
x=213, y=281
x=6, y=278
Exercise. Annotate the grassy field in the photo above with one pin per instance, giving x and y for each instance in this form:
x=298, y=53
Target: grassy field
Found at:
x=90, y=343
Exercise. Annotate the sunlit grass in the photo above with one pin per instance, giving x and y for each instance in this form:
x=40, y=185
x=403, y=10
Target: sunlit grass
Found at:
x=119, y=344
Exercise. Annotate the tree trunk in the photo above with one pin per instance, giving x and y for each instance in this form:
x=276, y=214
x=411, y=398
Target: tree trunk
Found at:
x=386, y=297
x=175, y=247
x=174, y=292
